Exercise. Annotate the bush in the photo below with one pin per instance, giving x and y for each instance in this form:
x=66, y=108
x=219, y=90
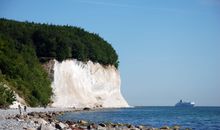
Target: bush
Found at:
x=20, y=67
x=6, y=96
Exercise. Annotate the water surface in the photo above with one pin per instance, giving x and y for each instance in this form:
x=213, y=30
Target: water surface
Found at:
x=195, y=118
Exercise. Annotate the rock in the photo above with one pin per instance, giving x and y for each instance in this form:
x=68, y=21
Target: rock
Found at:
x=82, y=122
x=151, y=128
x=19, y=119
x=55, y=121
x=176, y=127
x=53, y=124
x=131, y=126
x=31, y=122
x=50, y=120
x=70, y=122
x=75, y=127
x=114, y=126
x=124, y=128
x=49, y=115
x=41, y=121
x=30, y=129
x=101, y=128
x=165, y=128
x=60, y=126
x=140, y=127
x=89, y=127
x=86, y=109
x=119, y=124
x=20, y=116
x=92, y=126
x=54, y=113
x=83, y=127
x=33, y=114
x=102, y=125
x=46, y=127
x=42, y=115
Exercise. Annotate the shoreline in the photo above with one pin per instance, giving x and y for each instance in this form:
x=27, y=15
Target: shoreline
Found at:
x=46, y=119
x=33, y=119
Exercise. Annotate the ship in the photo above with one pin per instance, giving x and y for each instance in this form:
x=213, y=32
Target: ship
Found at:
x=181, y=103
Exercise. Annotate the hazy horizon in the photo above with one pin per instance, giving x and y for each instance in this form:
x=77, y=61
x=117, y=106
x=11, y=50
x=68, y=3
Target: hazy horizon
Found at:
x=168, y=50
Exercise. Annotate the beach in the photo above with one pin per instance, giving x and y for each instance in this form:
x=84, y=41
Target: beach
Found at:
x=46, y=119
x=10, y=119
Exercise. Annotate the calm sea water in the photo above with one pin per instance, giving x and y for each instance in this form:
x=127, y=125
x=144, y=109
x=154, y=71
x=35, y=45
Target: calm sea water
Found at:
x=201, y=118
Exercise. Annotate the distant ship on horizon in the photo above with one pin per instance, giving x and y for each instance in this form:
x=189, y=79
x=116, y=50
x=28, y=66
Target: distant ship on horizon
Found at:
x=184, y=104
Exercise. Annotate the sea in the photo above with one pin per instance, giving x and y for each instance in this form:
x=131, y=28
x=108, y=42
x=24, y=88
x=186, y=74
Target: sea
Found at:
x=199, y=118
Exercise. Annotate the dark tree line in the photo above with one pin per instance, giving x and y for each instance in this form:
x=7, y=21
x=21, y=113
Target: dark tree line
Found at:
x=61, y=42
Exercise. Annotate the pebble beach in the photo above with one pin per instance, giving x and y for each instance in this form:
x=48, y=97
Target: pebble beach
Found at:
x=46, y=119
x=10, y=119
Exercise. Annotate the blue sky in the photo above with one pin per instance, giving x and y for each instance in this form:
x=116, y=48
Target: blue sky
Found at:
x=168, y=49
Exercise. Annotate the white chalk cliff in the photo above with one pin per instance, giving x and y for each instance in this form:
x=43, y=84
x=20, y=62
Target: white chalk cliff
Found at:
x=78, y=84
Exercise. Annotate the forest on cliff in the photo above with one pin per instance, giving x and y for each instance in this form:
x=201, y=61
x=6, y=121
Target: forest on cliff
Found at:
x=24, y=46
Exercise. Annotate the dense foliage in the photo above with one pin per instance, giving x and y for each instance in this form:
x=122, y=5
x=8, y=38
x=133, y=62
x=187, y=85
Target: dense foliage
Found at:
x=6, y=96
x=24, y=45
x=60, y=42
x=20, y=66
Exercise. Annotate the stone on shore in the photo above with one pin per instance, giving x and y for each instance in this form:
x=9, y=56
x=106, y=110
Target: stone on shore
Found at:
x=46, y=127
x=30, y=128
x=176, y=127
x=60, y=126
x=165, y=128
x=82, y=122
x=41, y=121
x=101, y=128
x=102, y=125
x=86, y=109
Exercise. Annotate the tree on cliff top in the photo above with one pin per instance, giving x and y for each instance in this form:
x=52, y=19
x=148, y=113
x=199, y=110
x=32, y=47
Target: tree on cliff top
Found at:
x=60, y=42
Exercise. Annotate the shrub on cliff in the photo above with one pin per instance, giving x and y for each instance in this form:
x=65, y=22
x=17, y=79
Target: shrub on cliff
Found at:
x=20, y=67
x=6, y=96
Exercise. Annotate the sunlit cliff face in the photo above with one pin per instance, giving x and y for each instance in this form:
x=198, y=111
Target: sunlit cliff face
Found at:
x=78, y=84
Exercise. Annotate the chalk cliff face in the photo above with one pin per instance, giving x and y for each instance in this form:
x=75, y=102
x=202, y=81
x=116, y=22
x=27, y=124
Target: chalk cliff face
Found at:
x=78, y=84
